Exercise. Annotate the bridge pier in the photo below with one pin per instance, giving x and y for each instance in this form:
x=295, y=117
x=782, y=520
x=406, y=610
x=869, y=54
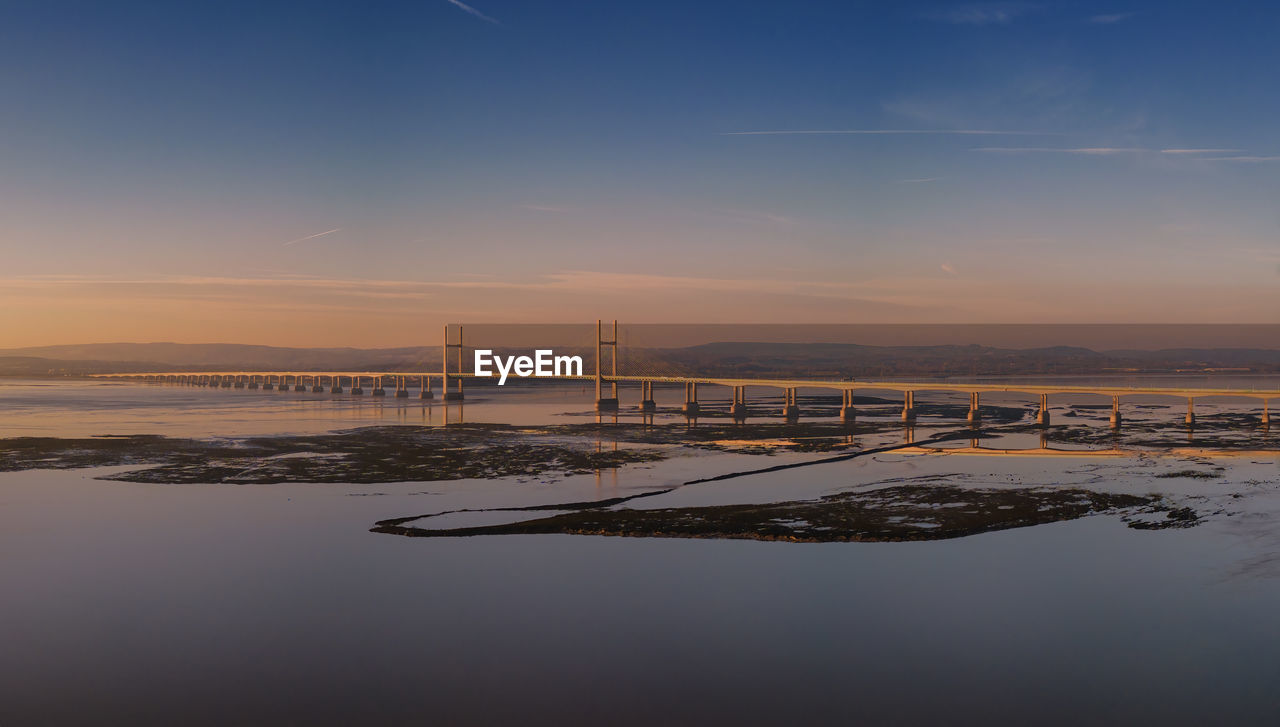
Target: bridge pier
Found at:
x=647, y=404
x=1266, y=414
x=253, y=382
x=355, y=386
x=847, y=412
x=377, y=387
x=335, y=384
x=739, y=408
x=790, y=410
x=1042, y=416
x=975, y=403
x=425, y=383
x=298, y=385
x=401, y=391
x=316, y=386
x=691, y=405
x=224, y=382
x=908, y=406
x=267, y=383
x=1115, y=412
x=1191, y=412
x=239, y=384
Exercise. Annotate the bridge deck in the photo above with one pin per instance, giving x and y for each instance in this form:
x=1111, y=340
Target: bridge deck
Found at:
x=782, y=383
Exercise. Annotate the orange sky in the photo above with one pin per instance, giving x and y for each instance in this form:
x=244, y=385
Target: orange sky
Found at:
x=312, y=311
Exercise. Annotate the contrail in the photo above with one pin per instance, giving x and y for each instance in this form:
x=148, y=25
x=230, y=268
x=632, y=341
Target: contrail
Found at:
x=958, y=132
x=473, y=11
x=311, y=237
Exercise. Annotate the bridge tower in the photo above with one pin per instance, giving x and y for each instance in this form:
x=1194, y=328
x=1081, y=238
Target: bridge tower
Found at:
x=604, y=403
x=444, y=364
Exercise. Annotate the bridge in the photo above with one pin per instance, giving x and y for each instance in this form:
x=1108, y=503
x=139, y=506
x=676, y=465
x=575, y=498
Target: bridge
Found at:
x=607, y=386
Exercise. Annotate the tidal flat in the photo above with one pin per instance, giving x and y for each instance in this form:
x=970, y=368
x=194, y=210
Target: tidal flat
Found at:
x=223, y=550
x=936, y=508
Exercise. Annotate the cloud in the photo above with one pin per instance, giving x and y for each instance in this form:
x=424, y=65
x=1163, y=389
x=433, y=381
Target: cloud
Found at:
x=1087, y=150
x=468, y=9
x=946, y=268
x=312, y=237
x=1198, y=151
x=980, y=14
x=838, y=132
x=1111, y=19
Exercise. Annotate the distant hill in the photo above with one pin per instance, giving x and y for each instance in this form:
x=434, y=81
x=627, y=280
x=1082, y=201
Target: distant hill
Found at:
x=184, y=356
x=36, y=366
x=730, y=358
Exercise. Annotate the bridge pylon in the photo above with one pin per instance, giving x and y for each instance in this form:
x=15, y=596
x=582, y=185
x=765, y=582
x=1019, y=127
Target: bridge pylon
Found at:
x=606, y=403
x=444, y=365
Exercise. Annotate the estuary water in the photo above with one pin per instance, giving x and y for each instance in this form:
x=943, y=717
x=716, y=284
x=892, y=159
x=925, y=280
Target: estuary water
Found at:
x=128, y=603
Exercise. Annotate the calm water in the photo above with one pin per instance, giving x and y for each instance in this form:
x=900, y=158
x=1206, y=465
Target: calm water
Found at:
x=129, y=603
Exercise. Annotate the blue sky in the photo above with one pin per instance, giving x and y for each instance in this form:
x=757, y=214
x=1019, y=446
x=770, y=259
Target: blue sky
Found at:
x=163, y=162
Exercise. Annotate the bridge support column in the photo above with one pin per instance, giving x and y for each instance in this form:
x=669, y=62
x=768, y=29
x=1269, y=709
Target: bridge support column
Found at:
x=298, y=385
x=691, y=406
x=975, y=413
x=225, y=382
x=377, y=387
x=790, y=410
x=646, y=397
x=425, y=383
x=356, y=390
x=335, y=384
x=253, y=382
x=908, y=406
x=239, y=383
x=606, y=403
x=402, y=391
x=1266, y=414
x=1191, y=411
x=316, y=386
x=739, y=408
x=1115, y=412
x=444, y=374
x=1042, y=416
x=267, y=383
x=847, y=412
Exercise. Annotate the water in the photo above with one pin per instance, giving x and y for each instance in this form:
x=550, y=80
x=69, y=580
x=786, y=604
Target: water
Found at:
x=221, y=604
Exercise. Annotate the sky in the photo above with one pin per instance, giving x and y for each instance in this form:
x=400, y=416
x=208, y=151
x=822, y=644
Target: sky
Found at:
x=340, y=173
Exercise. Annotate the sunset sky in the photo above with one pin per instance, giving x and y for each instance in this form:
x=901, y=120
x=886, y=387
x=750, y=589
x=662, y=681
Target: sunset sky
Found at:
x=341, y=173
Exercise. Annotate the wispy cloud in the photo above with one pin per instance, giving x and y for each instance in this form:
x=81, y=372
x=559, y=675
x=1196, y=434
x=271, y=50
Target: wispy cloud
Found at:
x=946, y=268
x=468, y=9
x=854, y=132
x=980, y=13
x=1199, y=151
x=1111, y=19
x=312, y=237
x=1086, y=150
